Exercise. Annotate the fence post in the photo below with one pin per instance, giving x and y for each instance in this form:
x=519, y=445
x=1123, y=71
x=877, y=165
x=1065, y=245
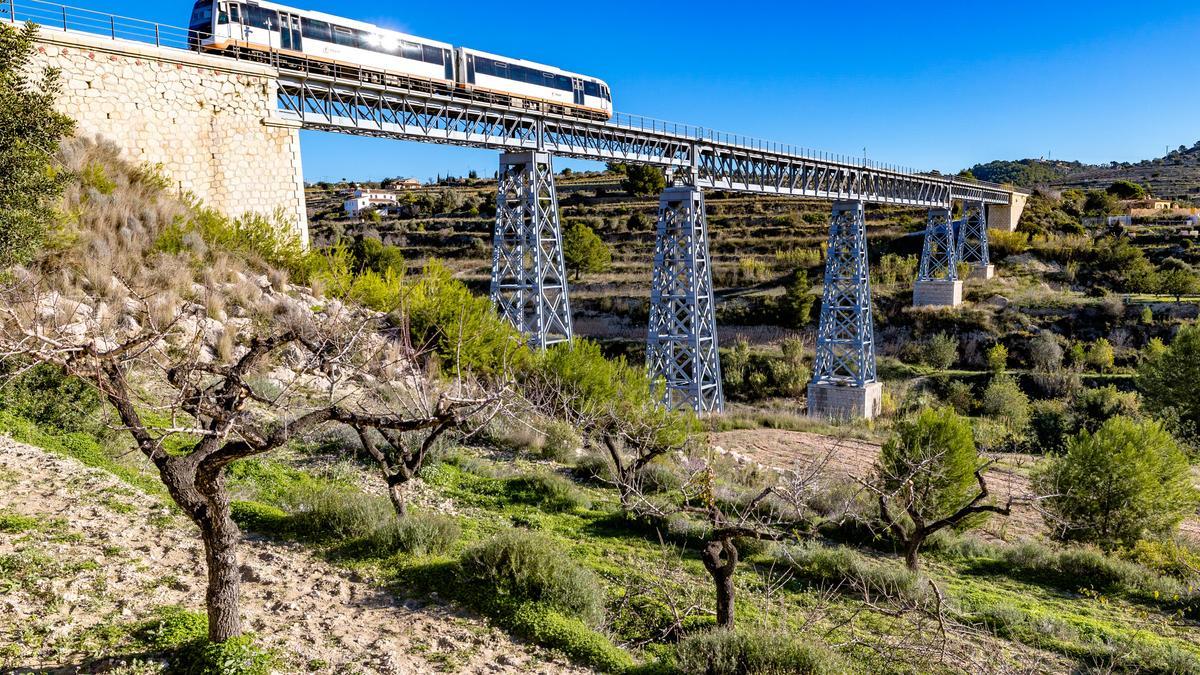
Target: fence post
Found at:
x=156, y=40
x=112, y=22
x=12, y=8
x=64, y=17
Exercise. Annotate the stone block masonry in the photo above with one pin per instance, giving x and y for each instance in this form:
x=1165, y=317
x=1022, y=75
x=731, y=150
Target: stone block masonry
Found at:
x=209, y=123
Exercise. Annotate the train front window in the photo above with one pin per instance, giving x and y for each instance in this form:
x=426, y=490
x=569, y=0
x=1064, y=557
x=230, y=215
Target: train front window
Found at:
x=228, y=13
x=202, y=16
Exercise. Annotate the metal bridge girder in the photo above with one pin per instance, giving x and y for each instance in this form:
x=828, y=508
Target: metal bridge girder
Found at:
x=529, y=281
x=846, y=333
x=681, y=342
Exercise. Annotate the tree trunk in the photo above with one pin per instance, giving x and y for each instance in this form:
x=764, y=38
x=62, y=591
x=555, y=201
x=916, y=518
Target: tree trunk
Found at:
x=721, y=571
x=911, y=549
x=396, y=494
x=221, y=536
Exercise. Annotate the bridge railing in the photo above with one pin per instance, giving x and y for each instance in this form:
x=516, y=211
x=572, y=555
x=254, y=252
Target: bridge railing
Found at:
x=67, y=18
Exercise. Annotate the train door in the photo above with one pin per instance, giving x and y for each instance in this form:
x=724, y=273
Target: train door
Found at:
x=289, y=32
x=577, y=87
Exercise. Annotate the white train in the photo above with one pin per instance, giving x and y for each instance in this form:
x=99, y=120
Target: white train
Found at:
x=327, y=43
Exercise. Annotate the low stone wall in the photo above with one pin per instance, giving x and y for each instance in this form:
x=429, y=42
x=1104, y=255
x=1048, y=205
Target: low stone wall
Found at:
x=210, y=123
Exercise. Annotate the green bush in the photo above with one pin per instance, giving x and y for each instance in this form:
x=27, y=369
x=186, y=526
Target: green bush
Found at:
x=529, y=566
x=1170, y=381
x=560, y=442
x=844, y=568
x=1125, y=482
x=1003, y=400
x=333, y=511
x=754, y=652
x=940, y=351
x=259, y=517
x=48, y=397
x=596, y=467
x=1167, y=557
x=551, y=491
x=550, y=628
x=416, y=533
x=658, y=477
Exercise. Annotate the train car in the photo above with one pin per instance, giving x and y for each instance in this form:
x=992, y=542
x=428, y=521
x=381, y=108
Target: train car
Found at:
x=532, y=85
x=316, y=39
x=329, y=44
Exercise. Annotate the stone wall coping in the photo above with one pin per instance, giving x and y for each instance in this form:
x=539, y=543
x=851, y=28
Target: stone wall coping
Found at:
x=282, y=123
x=119, y=46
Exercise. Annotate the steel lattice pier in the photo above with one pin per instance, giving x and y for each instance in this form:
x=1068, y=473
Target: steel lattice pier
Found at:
x=529, y=283
x=939, y=256
x=846, y=335
x=973, y=236
x=681, y=343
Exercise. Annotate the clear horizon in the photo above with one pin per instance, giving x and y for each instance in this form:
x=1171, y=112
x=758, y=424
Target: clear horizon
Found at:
x=928, y=85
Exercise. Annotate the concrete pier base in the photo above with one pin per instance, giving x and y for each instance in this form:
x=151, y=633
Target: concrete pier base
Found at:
x=982, y=271
x=937, y=293
x=835, y=401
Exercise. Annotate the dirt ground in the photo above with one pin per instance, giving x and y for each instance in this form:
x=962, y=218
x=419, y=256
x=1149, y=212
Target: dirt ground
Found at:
x=852, y=457
x=118, y=554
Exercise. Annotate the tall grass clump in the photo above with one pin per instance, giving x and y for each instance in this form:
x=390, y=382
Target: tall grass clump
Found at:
x=843, y=568
x=520, y=565
x=416, y=533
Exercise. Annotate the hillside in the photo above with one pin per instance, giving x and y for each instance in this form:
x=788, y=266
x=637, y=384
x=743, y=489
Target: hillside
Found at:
x=1175, y=175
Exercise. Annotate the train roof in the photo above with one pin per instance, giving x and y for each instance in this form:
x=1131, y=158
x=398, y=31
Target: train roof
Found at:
x=348, y=23
x=532, y=64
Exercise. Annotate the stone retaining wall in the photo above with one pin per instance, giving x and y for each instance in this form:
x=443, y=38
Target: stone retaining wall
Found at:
x=210, y=123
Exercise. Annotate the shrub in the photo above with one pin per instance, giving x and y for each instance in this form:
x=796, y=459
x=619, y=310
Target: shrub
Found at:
x=259, y=517
x=560, y=441
x=760, y=651
x=1126, y=481
x=570, y=635
x=843, y=567
x=47, y=396
x=1167, y=557
x=596, y=467
x=529, y=566
x=659, y=477
x=416, y=533
x=183, y=634
x=323, y=510
x=997, y=358
x=1003, y=243
x=961, y=396
x=1004, y=400
x=1100, y=355
x=940, y=351
x=553, y=492
x=1050, y=423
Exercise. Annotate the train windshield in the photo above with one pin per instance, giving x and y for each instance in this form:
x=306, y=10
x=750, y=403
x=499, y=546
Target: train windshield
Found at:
x=202, y=15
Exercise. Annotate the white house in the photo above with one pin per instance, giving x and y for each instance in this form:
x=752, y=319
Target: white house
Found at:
x=364, y=198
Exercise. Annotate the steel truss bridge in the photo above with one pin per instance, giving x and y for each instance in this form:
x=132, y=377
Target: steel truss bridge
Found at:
x=529, y=283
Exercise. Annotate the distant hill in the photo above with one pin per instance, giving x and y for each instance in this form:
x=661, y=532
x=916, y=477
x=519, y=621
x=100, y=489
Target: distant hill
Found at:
x=1175, y=175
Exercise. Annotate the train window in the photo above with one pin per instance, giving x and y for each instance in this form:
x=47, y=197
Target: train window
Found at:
x=412, y=51
x=344, y=37
x=235, y=13
x=590, y=88
x=202, y=17
x=483, y=66
x=432, y=55
x=261, y=18
x=562, y=82
x=315, y=30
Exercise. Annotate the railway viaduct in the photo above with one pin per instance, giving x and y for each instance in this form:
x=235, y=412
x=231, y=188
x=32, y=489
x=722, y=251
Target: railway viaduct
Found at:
x=228, y=132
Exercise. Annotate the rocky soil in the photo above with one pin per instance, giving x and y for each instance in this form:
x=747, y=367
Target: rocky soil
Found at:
x=105, y=555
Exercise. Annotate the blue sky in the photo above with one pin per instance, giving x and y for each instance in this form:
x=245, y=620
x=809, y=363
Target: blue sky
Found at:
x=924, y=84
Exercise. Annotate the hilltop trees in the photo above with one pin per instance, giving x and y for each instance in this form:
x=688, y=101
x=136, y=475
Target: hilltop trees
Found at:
x=1125, y=189
x=584, y=250
x=30, y=131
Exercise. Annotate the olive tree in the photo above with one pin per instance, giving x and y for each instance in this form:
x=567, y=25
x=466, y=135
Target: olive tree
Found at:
x=929, y=476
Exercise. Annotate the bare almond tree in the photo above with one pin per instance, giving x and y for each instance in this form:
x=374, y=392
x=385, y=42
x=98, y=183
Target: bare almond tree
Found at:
x=283, y=378
x=772, y=513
